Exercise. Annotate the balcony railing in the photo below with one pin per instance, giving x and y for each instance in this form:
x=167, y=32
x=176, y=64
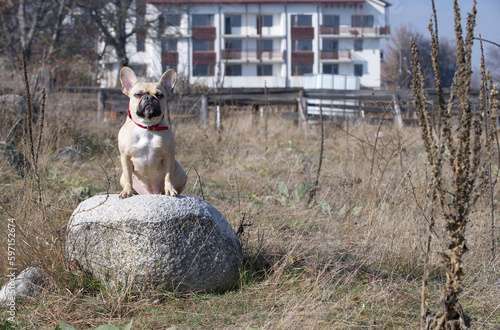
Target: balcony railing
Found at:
x=302, y=32
x=335, y=55
x=252, y=55
x=349, y=30
x=205, y=57
x=203, y=32
x=169, y=58
x=302, y=57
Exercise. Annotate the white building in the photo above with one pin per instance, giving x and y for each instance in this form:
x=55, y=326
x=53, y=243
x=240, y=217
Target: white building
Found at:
x=257, y=43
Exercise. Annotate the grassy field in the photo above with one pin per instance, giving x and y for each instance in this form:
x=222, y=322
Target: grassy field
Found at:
x=352, y=258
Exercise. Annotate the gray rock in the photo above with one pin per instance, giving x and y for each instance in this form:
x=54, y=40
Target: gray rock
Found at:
x=181, y=244
x=24, y=284
x=68, y=155
x=14, y=103
x=11, y=156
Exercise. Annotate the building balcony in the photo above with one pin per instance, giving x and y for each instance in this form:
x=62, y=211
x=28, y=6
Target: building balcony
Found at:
x=302, y=57
x=205, y=57
x=274, y=55
x=302, y=32
x=170, y=58
x=335, y=55
x=203, y=32
x=354, y=31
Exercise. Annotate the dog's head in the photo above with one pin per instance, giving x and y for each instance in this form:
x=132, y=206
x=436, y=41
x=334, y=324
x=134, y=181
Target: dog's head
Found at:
x=147, y=100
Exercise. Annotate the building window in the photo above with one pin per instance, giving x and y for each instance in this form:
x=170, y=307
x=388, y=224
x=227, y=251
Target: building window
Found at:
x=330, y=45
x=202, y=45
x=264, y=21
x=172, y=20
x=331, y=68
x=301, y=20
x=203, y=20
x=233, y=45
x=169, y=45
x=232, y=21
x=233, y=70
x=200, y=70
x=232, y=49
x=358, y=70
x=331, y=20
x=302, y=45
x=267, y=20
x=266, y=45
x=301, y=69
x=140, y=70
x=141, y=45
x=265, y=70
x=362, y=21
x=358, y=45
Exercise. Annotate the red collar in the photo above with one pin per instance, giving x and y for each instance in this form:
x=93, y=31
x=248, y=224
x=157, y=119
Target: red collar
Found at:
x=156, y=127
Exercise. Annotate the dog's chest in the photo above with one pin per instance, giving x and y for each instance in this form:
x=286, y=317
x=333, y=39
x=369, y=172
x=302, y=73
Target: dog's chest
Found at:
x=146, y=148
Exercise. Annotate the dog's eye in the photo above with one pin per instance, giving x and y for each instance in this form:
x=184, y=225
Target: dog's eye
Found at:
x=139, y=95
x=159, y=96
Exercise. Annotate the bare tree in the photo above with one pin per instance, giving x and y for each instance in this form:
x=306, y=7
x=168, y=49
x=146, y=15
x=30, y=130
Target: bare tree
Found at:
x=32, y=25
x=116, y=20
x=396, y=68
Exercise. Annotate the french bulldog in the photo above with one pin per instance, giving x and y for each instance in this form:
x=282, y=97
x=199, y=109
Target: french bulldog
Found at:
x=145, y=141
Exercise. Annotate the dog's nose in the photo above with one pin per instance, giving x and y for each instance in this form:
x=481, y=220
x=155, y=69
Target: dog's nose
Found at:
x=149, y=98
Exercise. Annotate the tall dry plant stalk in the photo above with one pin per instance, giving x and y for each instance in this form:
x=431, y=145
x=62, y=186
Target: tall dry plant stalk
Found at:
x=33, y=150
x=314, y=189
x=460, y=162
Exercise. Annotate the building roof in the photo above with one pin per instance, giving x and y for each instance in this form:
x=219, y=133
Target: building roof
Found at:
x=257, y=1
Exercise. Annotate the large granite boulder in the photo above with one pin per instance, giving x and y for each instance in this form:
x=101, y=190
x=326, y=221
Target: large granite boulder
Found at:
x=27, y=283
x=180, y=244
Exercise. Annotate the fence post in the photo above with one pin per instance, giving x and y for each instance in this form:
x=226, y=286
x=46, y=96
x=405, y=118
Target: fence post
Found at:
x=217, y=117
x=101, y=97
x=204, y=111
x=398, y=119
x=302, y=107
x=47, y=83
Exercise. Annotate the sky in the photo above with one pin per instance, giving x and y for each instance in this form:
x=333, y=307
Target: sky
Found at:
x=418, y=13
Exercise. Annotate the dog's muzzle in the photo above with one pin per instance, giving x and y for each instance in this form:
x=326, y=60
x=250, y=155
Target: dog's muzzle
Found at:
x=149, y=107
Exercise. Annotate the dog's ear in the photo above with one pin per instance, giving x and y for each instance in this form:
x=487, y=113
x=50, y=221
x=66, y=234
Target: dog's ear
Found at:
x=168, y=81
x=128, y=79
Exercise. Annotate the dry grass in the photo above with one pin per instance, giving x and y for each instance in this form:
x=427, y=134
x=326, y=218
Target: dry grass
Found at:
x=351, y=259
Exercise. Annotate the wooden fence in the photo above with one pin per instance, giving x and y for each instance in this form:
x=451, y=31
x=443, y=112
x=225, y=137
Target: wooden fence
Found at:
x=293, y=103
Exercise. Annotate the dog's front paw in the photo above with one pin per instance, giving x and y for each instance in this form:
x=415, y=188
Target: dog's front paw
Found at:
x=171, y=192
x=127, y=194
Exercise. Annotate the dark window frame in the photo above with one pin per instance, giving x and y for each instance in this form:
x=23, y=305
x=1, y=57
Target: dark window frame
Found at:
x=358, y=70
x=334, y=68
x=330, y=42
x=297, y=44
x=209, y=20
x=264, y=70
x=358, y=45
x=198, y=46
x=301, y=20
x=204, y=70
x=233, y=70
x=300, y=69
x=335, y=20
